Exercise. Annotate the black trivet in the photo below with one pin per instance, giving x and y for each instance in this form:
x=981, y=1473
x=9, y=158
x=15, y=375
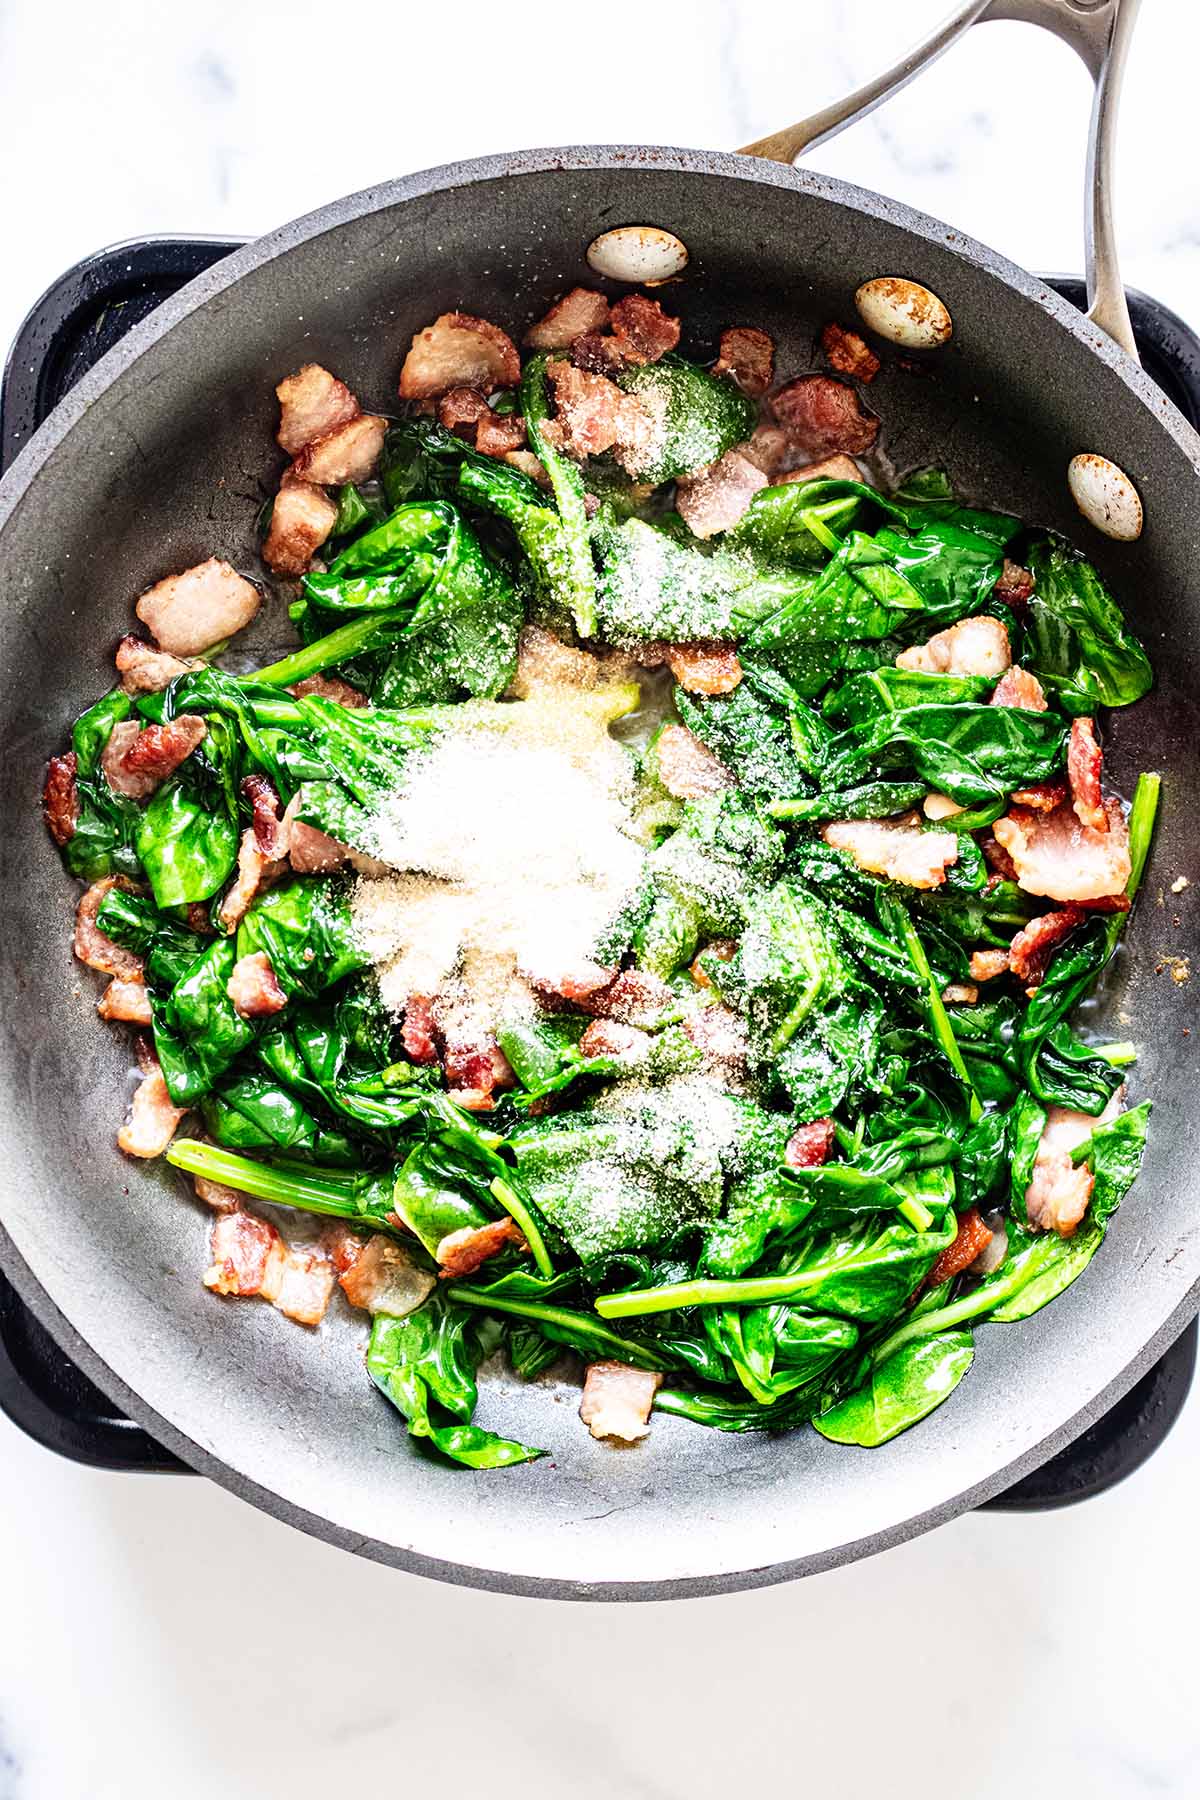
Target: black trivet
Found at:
x=86, y=312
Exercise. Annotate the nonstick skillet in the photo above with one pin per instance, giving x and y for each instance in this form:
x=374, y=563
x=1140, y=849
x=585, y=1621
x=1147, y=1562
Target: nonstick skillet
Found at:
x=161, y=456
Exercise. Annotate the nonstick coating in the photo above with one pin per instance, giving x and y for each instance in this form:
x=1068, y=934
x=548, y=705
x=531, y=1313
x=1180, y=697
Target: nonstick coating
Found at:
x=160, y=457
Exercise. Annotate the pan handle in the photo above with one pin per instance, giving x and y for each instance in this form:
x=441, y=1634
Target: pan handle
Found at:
x=1099, y=32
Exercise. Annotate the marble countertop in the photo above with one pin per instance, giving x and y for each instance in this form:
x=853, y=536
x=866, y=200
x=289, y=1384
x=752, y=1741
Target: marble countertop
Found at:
x=157, y=1635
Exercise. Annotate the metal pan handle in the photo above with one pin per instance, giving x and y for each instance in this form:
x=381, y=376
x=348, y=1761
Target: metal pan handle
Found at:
x=1099, y=32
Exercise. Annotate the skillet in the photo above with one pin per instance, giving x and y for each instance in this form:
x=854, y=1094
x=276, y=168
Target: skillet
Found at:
x=162, y=455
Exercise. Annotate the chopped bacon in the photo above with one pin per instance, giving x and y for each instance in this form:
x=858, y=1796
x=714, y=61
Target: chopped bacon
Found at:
x=687, y=768
x=342, y=1245
x=595, y=415
x=632, y=997
x=715, y=498
x=1085, y=762
x=902, y=852
x=458, y=350
x=1054, y=854
x=347, y=454
x=310, y=851
x=975, y=646
x=250, y=1257
x=90, y=944
x=771, y=449
x=960, y=993
x=462, y=1252
x=153, y=1117
x=1014, y=584
x=60, y=798
x=462, y=407
x=299, y=1283
x=222, y=1199
x=606, y=1037
x=253, y=987
x=137, y=760
x=940, y=806
x=830, y=468
x=617, y=1400
x=580, y=311
x=301, y=519
x=809, y=1145
x=704, y=668
x=126, y=1002
x=528, y=464
x=644, y=332
x=971, y=1239
x=1017, y=687
x=987, y=964
x=383, y=1278
x=329, y=687
x=144, y=670
x=190, y=612
x=720, y=1035
x=848, y=353
x=1034, y=944
x=747, y=356
x=475, y=1065
x=1059, y=1189
x=499, y=434
x=597, y=355
x=724, y=949
x=312, y=403
x=543, y=660
x=269, y=834
x=1043, y=796
x=255, y=873
x=580, y=983
x=823, y=415
x=417, y=1033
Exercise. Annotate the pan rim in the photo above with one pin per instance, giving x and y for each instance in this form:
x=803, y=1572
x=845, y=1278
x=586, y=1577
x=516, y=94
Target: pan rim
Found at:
x=54, y=432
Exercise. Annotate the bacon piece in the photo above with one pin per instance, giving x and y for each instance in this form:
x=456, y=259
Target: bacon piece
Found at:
x=1043, y=796
x=253, y=988
x=960, y=993
x=830, y=468
x=1017, y=687
x=1014, y=585
x=499, y=434
x=848, y=353
x=383, y=1278
x=90, y=944
x=975, y=646
x=301, y=519
x=1034, y=944
x=704, y=668
x=341, y=1245
x=222, y=1199
x=721, y=1037
x=643, y=331
x=269, y=834
x=617, y=1400
x=475, y=1066
x=1085, y=762
x=632, y=997
x=125, y=1002
x=137, y=760
x=687, y=768
x=597, y=355
x=347, y=454
x=595, y=415
x=458, y=350
x=190, y=612
x=250, y=1257
x=823, y=415
x=1059, y=1190
x=771, y=449
x=153, y=1117
x=578, y=984
x=902, y=852
x=420, y=1045
x=940, y=806
x=543, y=660
x=299, y=1283
x=1055, y=855
x=606, y=1037
x=580, y=311
x=997, y=859
x=312, y=403
x=809, y=1145
x=144, y=670
x=972, y=1238
x=724, y=949
x=987, y=964
x=329, y=687
x=528, y=464
x=255, y=873
x=717, y=497
x=462, y=1252
x=747, y=356
x=310, y=851
x=60, y=798
x=462, y=407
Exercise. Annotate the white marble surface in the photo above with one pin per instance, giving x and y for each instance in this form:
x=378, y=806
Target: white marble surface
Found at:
x=157, y=1636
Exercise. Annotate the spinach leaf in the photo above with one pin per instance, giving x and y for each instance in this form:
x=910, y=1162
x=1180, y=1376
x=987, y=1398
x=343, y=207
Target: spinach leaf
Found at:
x=973, y=753
x=898, y=1392
x=576, y=580
x=425, y=1364
x=1079, y=645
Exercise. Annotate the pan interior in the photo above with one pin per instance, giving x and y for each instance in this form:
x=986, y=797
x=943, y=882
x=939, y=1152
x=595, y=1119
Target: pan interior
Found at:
x=166, y=459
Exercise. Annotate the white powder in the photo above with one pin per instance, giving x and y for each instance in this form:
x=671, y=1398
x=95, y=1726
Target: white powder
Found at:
x=512, y=846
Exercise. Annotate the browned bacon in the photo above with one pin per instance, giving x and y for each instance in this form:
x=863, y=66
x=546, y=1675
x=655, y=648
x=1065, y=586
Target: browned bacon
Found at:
x=901, y=851
x=1054, y=854
x=253, y=987
x=717, y=497
x=347, y=454
x=686, y=767
x=987, y=964
x=582, y=310
x=311, y=852
x=971, y=1239
x=824, y=415
x=607, y=1037
x=594, y=414
x=721, y=1037
x=1059, y=1189
x=1085, y=762
x=125, y=1002
x=1035, y=943
x=381, y=1277
x=830, y=468
x=250, y=1257
x=255, y=873
x=597, y=355
x=975, y=646
x=191, y=612
x=417, y=1032
x=1014, y=584
x=144, y=670
x=1017, y=687
x=329, y=687
x=704, y=668
x=460, y=411
x=1043, y=796
x=153, y=1117
x=462, y=1252
x=458, y=350
x=997, y=859
x=809, y=1145
x=60, y=798
x=617, y=1400
x=499, y=434
x=137, y=760
x=632, y=997
x=312, y=403
x=848, y=353
x=222, y=1199
x=643, y=331
x=747, y=356
x=301, y=519
x=264, y=811
x=90, y=944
